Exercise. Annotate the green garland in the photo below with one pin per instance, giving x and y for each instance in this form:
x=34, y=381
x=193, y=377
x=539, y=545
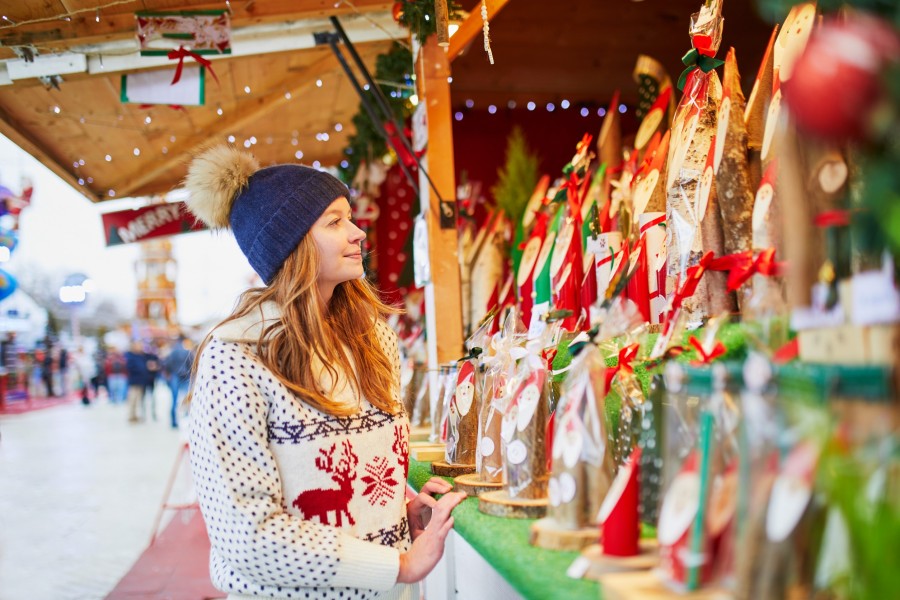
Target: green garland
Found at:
x=393, y=72
x=418, y=17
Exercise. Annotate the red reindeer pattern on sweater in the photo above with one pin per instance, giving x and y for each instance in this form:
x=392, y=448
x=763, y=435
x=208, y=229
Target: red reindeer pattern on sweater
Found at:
x=318, y=502
x=401, y=447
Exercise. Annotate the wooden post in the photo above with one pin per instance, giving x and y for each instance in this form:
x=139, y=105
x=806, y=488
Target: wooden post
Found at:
x=443, y=307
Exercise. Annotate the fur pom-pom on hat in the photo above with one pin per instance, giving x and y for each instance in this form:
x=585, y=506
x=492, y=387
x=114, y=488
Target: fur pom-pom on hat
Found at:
x=268, y=210
x=215, y=178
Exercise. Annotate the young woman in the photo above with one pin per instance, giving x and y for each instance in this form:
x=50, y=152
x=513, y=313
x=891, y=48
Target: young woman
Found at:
x=299, y=446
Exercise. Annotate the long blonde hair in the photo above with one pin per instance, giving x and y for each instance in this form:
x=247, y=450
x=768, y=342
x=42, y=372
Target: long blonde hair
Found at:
x=308, y=328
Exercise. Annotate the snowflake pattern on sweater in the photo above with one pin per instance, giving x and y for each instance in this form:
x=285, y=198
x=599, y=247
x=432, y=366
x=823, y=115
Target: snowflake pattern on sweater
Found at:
x=297, y=503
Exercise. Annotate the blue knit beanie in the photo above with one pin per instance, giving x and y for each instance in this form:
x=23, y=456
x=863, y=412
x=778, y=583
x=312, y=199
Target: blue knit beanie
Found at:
x=269, y=210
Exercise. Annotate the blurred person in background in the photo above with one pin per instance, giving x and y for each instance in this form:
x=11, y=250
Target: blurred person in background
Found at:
x=177, y=370
x=116, y=376
x=85, y=371
x=138, y=375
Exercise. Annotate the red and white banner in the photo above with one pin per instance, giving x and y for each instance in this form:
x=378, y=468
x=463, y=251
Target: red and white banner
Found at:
x=157, y=220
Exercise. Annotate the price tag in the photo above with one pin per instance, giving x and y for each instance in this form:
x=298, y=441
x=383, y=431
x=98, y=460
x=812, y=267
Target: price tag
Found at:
x=874, y=299
x=537, y=325
x=578, y=567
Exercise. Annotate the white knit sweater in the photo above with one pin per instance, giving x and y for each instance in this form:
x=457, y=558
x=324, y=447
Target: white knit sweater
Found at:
x=297, y=503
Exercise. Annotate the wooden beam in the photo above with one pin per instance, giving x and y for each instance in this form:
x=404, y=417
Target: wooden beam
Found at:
x=442, y=294
x=18, y=134
x=246, y=113
x=472, y=27
x=84, y=28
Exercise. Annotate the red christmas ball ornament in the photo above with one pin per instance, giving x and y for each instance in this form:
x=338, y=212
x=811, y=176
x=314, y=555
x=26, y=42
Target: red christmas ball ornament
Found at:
x=397, y=11
x=835, y=83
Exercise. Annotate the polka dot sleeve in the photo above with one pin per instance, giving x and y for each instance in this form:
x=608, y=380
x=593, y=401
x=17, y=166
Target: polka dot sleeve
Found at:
x=258, y=548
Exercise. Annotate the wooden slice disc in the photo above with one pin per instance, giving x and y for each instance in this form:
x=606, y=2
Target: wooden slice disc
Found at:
x=547, y=533
x=601, y=564
x=646, y=585
x=447, y=470
x=499, y=504
x=474, y=486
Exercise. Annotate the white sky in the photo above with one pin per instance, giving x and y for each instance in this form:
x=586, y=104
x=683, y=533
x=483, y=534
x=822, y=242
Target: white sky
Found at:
x=61, y=233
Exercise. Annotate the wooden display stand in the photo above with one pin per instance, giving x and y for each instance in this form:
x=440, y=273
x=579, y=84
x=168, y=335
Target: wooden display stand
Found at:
x=472, y=485
x=499, y=504
x=646, y=585
x=444, y=469
x=602, y=565
x=419, y=434
x=546, y=533
x=426, y=452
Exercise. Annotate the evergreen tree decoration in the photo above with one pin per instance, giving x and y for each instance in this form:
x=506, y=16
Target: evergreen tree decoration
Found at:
x=393, y=74
x=517, y=178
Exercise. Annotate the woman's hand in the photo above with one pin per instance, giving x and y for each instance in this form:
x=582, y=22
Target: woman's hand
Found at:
x=418, y=511
x=428, y=543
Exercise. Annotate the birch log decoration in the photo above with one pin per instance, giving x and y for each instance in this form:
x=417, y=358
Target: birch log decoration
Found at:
x=718, y=299
x=755, y=113
x=443, y=23
x=656, y=99
x=462, y=422
x=582, y=468
x=686, y=206
x=609, y=140
x=649, y=193
x=733, y=183
x=789, y=44
x=812, y=180
x=489, y=459
x=487, y=269
x=523, y=429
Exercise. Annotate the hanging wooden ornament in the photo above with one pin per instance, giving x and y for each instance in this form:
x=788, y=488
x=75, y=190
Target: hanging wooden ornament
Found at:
x=443, y=23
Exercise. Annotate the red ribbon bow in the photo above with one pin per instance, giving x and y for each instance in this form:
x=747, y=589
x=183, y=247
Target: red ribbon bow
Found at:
x=689, y=285
x=172, y=106
x=181, y=53
x=832, y=218
x=742, y=266
x=703, y=357
x=626, y=355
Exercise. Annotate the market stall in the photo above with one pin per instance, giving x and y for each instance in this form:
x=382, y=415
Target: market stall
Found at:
x=679, y=367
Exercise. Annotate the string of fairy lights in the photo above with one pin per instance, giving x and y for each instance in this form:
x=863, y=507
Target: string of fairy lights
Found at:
x=405, y=89
x=294, y=137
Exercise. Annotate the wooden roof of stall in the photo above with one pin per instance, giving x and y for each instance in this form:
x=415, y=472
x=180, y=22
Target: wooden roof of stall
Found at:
x=579, y=50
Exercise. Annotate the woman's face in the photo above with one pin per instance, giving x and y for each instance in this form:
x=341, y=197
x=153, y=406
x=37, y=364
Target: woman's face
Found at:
x=338, y=241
